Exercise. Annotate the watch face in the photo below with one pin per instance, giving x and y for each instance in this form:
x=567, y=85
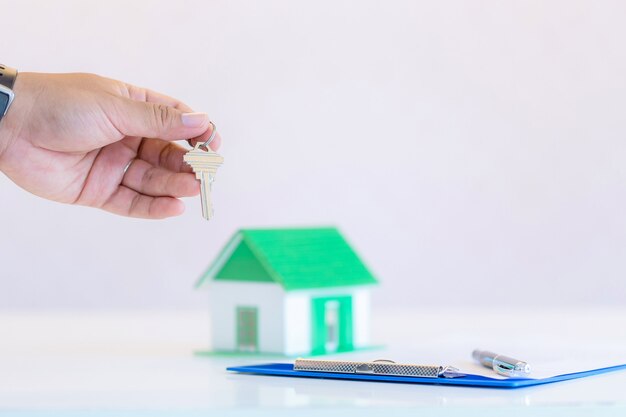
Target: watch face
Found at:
x=4, y=103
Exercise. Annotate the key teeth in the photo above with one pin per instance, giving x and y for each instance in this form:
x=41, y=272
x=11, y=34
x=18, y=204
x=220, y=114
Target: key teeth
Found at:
x=204, y=165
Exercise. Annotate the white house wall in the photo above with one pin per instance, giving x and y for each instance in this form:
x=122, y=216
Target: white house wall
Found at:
x=298, y=331
x=267, y=297
x=361, y=324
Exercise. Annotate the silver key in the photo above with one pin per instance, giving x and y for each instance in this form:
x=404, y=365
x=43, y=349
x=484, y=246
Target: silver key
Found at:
x=204, y=163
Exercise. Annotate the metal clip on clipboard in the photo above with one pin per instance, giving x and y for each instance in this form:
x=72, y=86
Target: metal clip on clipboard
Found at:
x=377, y=367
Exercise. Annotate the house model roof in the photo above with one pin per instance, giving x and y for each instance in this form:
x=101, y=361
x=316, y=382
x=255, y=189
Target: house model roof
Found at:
x=302, y=258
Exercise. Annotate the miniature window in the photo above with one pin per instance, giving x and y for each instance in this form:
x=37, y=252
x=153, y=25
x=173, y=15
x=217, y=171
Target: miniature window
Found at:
x=247, y=331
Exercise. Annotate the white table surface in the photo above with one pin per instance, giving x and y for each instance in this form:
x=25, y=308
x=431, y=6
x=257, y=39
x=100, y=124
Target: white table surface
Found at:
x=142, y=364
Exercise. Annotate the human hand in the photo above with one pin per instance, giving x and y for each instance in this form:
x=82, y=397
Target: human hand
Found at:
x=69, y=138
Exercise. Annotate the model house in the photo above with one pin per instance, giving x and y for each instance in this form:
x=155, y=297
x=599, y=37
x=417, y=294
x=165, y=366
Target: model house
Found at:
x=289, y=291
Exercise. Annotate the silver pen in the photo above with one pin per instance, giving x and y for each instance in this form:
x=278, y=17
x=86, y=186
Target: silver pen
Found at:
x=501, y=364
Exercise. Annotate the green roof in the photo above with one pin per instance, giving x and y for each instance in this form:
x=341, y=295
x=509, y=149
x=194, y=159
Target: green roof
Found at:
x=297, y=259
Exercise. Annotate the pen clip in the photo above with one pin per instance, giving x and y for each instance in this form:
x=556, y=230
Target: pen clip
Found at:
x=451, y=372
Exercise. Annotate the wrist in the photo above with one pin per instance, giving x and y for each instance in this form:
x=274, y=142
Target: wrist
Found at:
x=9, y=124
x=5, y=140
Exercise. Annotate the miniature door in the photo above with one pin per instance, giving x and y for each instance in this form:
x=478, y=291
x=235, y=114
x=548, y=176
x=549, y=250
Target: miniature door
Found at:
x=332, y=324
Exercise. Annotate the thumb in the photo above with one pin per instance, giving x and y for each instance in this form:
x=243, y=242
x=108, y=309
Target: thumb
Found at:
x=155, y=120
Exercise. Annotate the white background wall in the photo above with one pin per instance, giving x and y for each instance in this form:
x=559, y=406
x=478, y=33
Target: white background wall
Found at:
x=473, y=151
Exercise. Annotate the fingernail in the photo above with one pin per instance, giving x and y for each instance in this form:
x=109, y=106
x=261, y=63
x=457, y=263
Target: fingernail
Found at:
x=195, y=119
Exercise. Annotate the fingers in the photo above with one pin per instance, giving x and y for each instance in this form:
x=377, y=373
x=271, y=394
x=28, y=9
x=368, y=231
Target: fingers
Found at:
x=151, y=192
x=149, y=114
x=148, y=96
x=127, y=202
x=164, y=154
x=153, y=181
x=215, y=143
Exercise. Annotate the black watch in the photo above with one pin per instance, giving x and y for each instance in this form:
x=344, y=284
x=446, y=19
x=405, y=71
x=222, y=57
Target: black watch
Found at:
x=7, y=79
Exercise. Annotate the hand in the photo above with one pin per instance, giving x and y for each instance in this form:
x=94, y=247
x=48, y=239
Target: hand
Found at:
x=69, y=138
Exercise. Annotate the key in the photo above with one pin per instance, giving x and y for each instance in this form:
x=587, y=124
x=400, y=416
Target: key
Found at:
x=204, y=163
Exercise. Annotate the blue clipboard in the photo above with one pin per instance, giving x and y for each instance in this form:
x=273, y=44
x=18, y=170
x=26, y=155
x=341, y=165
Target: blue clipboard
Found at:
x=286, y=369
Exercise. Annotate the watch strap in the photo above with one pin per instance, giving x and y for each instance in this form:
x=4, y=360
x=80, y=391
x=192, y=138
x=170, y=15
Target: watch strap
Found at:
x=7, y=76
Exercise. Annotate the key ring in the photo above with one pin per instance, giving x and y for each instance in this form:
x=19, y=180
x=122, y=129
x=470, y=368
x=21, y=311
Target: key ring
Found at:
x=206, y=144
